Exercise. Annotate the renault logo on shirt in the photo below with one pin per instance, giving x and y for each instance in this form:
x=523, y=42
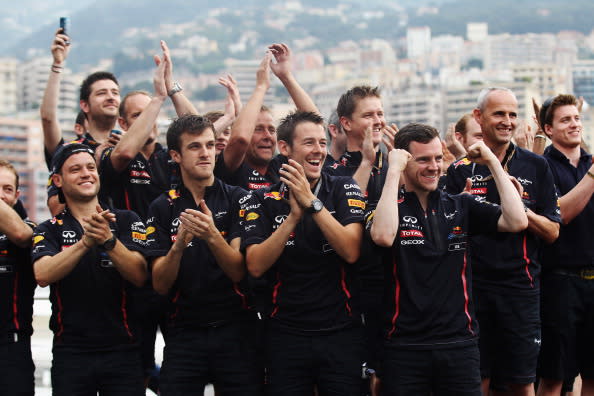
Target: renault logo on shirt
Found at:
x=410, y=219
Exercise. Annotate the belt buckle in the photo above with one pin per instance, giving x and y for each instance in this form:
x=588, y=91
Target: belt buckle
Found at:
x=587, y=274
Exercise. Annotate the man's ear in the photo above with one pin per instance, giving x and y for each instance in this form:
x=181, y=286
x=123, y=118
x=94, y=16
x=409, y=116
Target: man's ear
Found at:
x=84, y=106
x=284, y=148
x=123, y=123
x=175, y=156
x=345, y=122
x=548, y=130
x=477, y=116
x=57, y=180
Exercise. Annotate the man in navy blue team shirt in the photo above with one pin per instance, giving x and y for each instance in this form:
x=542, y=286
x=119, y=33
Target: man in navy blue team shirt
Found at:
x=193, y=238
x=304, y=234
x=90, y=256
x=506, y=266
x=568, y=264
x=17, y=286
x=430, y=328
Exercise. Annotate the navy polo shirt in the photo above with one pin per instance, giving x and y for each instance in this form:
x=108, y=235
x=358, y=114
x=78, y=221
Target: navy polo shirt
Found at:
x=90, y=305
x=312, y=287
x=17, y=286
x=140, y=182
x=202, y=294
x=574, y=248
x=509, y=260
x=428, y=281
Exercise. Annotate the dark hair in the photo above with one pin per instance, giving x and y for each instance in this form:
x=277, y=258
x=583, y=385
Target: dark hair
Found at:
x=414, y=132
x=348, y=101
x=81, y=117
x=547, y=111
x=85, y=87
x=129, y=95
x=188, y=123
x=10, y=167
x=461, y=124
x=287, y=126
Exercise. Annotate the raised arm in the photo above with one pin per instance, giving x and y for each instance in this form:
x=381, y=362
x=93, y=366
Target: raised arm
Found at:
x=181, y=103
x=52, y=134
x=513, y=215
x=282, y=69
x=243, y=127
x=231, y=102
x=141, y=124
x=385, y=218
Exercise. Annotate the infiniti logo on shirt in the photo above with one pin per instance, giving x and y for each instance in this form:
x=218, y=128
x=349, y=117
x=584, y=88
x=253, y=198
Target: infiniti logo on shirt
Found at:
x=410, y=219
x=68, y=234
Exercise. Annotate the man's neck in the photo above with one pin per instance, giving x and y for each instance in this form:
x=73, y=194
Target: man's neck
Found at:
x=354, y=145
x=100, y=129
x=197, y=187
x=148, y=149
x=82, y=209
x=499, y=149
x=572, y=153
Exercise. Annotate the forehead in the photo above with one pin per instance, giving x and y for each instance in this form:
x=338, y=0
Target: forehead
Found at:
x=83, y=158
x=308, y=129
x=207, y=135
x=472, y=126
x=431, y=149
x=7, y=177
x=264, y=117
x=501, y=100
x=367, y=104
x=136, y=103
x=566, y=110
x=104, y=84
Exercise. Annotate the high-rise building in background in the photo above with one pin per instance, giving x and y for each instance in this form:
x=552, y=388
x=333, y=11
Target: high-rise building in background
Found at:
x=21, y=143
x=8, y=86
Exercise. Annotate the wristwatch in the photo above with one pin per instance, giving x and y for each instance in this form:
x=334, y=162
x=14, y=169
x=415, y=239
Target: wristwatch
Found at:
x=109, y=244
x=315, y=207
x=175, y=89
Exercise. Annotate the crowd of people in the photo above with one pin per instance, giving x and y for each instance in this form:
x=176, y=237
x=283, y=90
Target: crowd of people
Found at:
x=347, y=257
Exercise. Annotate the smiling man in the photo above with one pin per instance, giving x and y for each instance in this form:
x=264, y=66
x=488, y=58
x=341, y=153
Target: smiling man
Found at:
x=429, y=327
x=507, y=265
x=568, y=264
x=303, y=234
x=91, y=259
x=193, y=236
